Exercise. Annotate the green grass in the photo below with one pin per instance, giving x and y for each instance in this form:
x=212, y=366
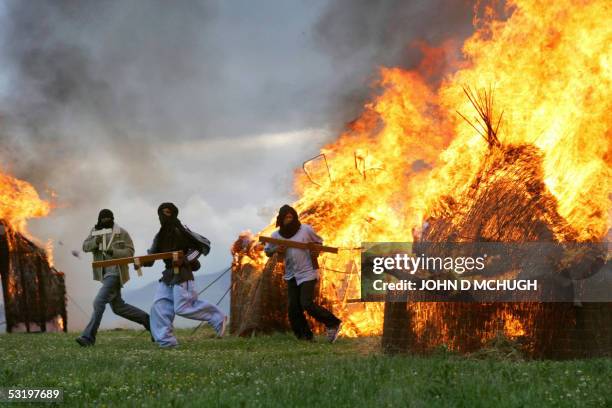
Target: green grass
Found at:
x=125, y=369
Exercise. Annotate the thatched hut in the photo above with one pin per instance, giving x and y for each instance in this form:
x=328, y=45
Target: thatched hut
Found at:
x=34, y=292
x=507, y=201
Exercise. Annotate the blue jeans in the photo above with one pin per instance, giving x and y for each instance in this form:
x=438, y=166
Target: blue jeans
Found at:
x=181, y=299
x=110, y=292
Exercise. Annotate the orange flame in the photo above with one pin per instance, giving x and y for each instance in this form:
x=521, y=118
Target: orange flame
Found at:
x=59, y=322
x=49, y=252
x=550, y=67
x=19, y=202
x=512, y=326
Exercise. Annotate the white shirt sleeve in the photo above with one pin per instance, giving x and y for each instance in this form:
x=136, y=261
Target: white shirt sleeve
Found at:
x=313, y=236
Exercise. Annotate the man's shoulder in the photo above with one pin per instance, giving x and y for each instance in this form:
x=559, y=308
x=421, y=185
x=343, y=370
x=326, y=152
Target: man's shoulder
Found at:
x=276, y=234
x=201, y=239
x=308, y=227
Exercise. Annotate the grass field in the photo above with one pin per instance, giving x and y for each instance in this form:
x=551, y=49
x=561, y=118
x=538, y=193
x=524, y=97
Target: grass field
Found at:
x=126, y=369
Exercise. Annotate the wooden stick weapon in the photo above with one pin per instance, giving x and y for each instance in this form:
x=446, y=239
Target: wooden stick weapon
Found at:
x=301, y=245
x=139, y=260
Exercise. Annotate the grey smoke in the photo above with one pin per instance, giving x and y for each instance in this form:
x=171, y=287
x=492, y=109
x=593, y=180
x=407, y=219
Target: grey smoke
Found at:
x=87, y=76
x=361, y=36
x=126, y=77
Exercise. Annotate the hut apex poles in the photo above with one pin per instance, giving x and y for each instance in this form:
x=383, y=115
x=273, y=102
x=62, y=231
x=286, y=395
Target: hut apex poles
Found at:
x=301, y=245
x=139, y=260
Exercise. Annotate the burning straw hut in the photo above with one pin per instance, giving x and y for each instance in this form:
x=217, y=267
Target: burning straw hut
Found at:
x=258, y=295
x=507, y=201
x=34, y=292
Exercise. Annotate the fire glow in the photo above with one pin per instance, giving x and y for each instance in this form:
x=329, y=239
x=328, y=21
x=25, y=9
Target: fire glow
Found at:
x=549, y=69
x=19, y=202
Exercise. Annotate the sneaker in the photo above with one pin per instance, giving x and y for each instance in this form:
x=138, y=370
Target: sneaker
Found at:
x=221, y=331
x=333, y=332
x=84, y=341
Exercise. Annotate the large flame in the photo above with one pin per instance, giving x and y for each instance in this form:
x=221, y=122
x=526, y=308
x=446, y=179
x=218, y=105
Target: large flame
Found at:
x=549, y=68
x=19, y=202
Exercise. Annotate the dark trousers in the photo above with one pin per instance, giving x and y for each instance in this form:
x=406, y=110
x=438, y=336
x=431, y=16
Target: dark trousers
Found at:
x=301, y=298
x=110, y=292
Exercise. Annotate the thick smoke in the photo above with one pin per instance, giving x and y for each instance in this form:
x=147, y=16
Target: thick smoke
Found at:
x=86, y=77
x=125, y=78
x=361, y=36
x=115, y=81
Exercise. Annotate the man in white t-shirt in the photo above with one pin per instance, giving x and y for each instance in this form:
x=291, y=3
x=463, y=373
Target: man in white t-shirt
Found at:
x=301, y=274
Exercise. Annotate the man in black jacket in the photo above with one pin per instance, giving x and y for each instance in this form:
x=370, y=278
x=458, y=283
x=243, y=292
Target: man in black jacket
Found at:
x=176, y=294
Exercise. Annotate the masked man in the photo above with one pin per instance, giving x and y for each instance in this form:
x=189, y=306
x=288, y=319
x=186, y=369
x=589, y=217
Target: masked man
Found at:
x=176, y=294
x=301, y=274
x=107, y=240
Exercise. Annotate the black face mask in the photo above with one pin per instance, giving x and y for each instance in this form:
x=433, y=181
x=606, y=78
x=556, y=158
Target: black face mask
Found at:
x=106, y=219
x=166, y=220
x=105, y=224
x=288, y=230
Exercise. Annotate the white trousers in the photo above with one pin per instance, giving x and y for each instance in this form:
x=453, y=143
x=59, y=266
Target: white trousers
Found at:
x=180, y=300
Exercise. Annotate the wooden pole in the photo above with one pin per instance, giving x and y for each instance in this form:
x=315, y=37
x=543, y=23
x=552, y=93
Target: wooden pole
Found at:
x=301, y=245
x=137, y=260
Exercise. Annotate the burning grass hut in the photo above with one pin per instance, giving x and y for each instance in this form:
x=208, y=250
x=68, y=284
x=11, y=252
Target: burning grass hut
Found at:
x=507, y=201
x=34, y=292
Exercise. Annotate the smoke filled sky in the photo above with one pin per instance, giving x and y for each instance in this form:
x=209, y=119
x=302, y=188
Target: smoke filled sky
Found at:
x=209, y=104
